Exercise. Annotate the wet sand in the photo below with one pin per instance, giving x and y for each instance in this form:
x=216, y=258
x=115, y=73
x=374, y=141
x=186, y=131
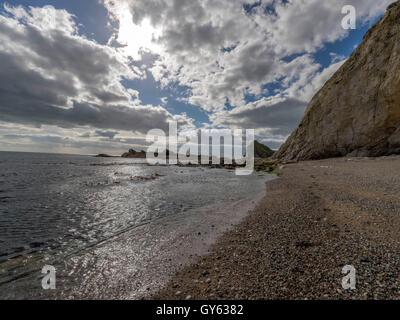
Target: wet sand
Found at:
x=316, y=218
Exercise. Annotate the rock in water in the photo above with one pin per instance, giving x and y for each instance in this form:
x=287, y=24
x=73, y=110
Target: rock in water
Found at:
x=134, y=154
x=357, y=112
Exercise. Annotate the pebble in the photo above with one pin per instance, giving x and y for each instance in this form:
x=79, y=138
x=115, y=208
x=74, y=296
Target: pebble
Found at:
x=205, y=272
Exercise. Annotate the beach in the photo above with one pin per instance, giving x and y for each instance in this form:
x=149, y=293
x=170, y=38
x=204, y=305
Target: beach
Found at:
x=316, y=218
x=259, y=237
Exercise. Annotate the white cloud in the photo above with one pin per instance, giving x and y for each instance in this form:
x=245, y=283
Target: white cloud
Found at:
x=51, y=75
x=221, y=52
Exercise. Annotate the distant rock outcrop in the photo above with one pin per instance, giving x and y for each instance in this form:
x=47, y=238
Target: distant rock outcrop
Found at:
x=134, y=154
x=357, y=112
x=104, y=155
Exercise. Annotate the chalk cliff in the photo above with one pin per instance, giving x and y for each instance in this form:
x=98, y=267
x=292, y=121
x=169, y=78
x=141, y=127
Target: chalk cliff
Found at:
x=357, y=112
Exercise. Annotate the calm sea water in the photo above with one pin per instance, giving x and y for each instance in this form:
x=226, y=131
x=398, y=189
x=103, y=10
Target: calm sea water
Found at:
x=52, y=206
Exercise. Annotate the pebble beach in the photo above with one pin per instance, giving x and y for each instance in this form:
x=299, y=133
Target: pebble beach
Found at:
x=316, y=218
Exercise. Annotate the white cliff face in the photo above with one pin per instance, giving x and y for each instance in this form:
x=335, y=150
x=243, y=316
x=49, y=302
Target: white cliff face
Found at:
x=357, y=112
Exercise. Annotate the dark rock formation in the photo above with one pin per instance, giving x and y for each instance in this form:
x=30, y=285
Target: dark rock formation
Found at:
x=134, y=154
x=357, y=112
x=103, y=155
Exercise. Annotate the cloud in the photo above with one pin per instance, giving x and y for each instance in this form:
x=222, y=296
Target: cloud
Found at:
x=226, y=51
x=107, y=134
x=220, y=50
x=310, y=80
x=51, y=75
x=16, y=137
x=276, y=115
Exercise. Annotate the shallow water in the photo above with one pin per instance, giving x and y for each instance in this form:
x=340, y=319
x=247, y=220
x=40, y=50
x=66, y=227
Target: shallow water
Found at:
x=57, y=206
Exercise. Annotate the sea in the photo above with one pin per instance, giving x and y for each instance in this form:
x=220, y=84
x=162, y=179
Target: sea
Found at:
x=66, y=210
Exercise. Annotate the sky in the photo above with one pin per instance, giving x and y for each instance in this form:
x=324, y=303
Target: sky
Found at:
x=94, y=76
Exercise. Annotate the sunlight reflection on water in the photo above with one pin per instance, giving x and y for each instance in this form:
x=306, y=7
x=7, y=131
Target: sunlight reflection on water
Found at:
x=52, y=206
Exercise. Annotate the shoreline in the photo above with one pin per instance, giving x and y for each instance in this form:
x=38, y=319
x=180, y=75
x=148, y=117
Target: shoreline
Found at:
x=175, y=242
x=137, y=262
x=316, y=218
